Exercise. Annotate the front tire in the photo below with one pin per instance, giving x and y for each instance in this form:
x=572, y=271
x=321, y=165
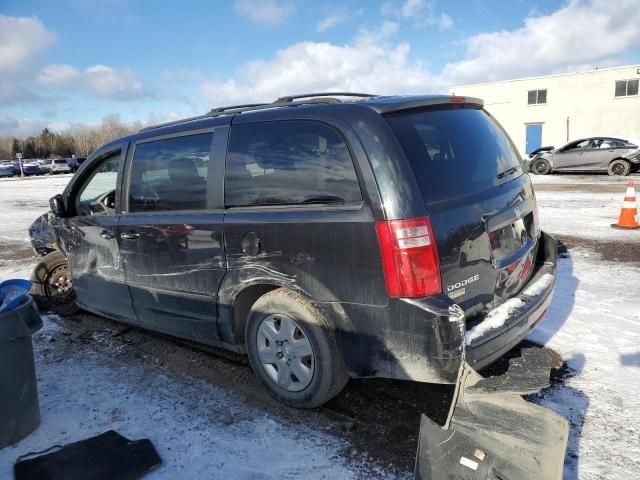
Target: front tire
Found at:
x=541, y=167
x=293, y=351
x=52, y=288
x=619, y=167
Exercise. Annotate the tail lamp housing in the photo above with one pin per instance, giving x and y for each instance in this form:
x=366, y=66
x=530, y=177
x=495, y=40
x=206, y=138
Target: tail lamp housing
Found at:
x=409, y=257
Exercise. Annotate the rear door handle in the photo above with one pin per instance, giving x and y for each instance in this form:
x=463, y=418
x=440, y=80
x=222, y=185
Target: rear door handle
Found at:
x=129, y=236
x=107, y=235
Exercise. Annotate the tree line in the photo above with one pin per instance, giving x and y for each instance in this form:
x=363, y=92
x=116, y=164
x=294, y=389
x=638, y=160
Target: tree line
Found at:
x=79, y=140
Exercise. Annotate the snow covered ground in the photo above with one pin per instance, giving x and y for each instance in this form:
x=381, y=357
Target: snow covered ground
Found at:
x=201, y=431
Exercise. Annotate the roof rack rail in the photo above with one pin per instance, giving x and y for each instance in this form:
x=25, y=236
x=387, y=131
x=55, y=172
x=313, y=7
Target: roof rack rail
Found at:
x=290, y=98
x=233, y=107
x=290, y=101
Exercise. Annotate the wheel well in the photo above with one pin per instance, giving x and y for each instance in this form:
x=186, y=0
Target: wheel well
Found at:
x=619, y=158
x=242, y=305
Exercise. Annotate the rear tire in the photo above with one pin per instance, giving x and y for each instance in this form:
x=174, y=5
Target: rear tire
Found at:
x=52, y=288
x=619, y=167
x=286, y=335
x=541, y=167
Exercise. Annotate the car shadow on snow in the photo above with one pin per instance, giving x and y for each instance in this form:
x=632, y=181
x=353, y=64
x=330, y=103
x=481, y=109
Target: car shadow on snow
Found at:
x=560, y=397
x=631, y=359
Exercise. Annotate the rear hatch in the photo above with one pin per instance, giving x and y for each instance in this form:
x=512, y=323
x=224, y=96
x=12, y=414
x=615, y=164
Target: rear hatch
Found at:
x=480, y=202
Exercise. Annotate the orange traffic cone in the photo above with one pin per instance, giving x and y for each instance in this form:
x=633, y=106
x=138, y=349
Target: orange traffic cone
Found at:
x=629, y=214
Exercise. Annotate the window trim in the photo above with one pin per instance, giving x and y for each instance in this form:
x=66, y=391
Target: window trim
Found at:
x=213, y=186
x=626, y=80
x=538, y=90
x=73, y=193
x=283, y=207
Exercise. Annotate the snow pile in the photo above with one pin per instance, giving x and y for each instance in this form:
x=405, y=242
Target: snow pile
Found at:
x=494, y=319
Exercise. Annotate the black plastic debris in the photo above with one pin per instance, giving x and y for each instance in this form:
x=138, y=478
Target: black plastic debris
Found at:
x=107, y=456
x=492, y=433
x=19, y=319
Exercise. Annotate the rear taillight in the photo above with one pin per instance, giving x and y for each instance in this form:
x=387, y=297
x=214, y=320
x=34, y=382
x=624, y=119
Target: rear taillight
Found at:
x=409, y=257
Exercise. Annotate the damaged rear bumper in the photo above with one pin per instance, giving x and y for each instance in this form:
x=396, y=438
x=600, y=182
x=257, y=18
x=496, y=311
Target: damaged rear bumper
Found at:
x=425, y=339
x=535, y=299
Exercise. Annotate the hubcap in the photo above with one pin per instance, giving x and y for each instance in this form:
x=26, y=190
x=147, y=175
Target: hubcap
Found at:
x=617, y=169
x=285, y=352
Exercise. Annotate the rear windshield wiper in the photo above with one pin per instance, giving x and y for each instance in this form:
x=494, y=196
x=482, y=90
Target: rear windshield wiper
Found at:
x=508, y=172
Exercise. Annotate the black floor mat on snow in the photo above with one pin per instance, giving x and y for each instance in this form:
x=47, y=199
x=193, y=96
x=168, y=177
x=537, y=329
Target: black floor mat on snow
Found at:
x=108, y=456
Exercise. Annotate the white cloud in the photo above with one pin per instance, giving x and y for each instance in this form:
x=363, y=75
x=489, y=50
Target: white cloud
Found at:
x=445, y=22
x=412, y=8
x=366, y=64
x=419, y=13
x=58, y=75
x=269, y=13
x=119, y=84
x=24, y=127
x=22, y=41
x=101, y=80
x=331, y=20
x=580, y=33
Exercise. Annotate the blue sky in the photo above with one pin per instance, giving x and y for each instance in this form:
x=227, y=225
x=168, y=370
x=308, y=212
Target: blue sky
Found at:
x=76, y=61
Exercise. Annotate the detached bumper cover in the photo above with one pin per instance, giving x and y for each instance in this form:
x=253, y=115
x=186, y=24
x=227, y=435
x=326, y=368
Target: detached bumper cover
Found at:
x=492, y=432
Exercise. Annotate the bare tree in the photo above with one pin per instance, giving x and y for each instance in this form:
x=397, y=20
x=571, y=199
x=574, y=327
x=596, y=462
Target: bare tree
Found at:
x=79, y=139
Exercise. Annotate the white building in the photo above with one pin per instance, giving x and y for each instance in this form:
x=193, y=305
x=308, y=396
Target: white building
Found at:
x=554, y=109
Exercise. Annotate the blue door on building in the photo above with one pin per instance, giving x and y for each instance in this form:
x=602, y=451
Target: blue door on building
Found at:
x=534, y=137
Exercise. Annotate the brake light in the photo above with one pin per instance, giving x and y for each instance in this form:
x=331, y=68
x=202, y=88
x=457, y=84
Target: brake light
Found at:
x=409, y=257
x=455, y=99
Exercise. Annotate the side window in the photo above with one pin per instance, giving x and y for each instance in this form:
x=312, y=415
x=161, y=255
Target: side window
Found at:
x=578, y=145
x=615, y=143
x=288, y=162
x=98, y=194
x=170, y=174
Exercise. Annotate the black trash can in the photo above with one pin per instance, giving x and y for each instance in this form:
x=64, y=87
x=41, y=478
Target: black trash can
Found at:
x=19, y=319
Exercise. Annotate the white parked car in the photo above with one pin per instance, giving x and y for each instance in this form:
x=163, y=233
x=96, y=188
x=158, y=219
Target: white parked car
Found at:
x=60, y=166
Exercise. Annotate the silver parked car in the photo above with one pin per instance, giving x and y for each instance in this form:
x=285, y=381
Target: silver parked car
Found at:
x=596, y=154
x=45, y=165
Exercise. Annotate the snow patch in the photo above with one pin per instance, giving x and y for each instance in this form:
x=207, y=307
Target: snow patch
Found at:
x=539, y=286
x=494, y=319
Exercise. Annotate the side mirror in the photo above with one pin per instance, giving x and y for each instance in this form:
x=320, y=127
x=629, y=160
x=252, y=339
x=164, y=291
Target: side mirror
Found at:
x=56, y=203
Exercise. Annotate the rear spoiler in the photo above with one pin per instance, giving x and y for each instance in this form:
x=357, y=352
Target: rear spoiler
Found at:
x=400, y=104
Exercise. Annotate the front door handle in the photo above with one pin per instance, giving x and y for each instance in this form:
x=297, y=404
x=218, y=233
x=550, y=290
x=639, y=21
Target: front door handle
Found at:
x=107, y=235
x=129, y=236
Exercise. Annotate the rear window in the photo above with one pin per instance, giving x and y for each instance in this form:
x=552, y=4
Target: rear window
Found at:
x=456, y=151
x=288, y=162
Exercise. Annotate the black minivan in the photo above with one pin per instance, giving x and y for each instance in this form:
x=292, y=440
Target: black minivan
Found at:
x=327, y=236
